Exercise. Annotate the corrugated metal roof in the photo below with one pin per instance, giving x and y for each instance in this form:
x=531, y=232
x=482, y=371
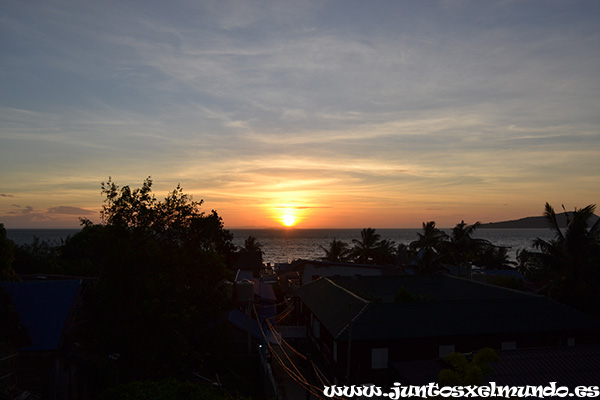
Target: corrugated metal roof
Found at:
x=568, y=366
x=43, y=307
x=437, y=287
x=332, y=305
x=447, y=306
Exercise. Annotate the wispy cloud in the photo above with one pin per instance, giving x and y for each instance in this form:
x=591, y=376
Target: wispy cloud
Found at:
x=315, y=100
x=68, y=210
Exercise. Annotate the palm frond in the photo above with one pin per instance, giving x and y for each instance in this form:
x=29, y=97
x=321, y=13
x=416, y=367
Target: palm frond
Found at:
x=550, y=216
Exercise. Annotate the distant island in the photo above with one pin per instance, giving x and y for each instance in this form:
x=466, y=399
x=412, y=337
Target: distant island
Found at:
x=531, y=223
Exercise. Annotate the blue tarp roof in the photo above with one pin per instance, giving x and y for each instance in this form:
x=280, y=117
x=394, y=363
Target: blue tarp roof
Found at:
x=43, y=307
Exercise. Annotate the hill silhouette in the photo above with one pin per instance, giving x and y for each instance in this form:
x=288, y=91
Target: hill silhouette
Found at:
x=531, y=223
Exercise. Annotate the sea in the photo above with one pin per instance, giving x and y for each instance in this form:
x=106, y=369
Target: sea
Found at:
x=287, y=244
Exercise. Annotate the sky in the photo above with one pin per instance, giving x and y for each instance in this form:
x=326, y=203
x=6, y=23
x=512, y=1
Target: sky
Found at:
x=336, y=114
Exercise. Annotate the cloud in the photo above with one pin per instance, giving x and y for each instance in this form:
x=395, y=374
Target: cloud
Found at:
x=254, y=99
x=54, y=217
x=66, y=210
x=300, y=207
x=21, y=209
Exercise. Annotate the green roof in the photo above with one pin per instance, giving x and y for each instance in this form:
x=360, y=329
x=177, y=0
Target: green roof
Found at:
x=445, y=306
x=333, y=305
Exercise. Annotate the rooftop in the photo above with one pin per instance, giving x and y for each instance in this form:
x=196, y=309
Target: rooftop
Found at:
x=43, y=307
x=433, y=306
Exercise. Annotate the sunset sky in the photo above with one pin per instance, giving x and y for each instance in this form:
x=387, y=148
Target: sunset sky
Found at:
x=344, y=114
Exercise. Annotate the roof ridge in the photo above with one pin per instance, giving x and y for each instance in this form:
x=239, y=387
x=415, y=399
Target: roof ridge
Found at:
x=358, y=314
x=533, y=295
x=347, y=326
x=346, y=290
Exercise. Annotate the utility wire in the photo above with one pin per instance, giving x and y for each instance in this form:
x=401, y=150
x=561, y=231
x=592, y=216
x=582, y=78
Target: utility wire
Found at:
x=295, y=375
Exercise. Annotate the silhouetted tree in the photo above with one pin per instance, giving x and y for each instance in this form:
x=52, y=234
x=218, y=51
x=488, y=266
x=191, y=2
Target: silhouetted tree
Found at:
x=42, y=256
x=167, y=390
x=571, y=260
x=429, y=248
x=462, y=248
x=493, y=257
x=6, y=257
x=364, y=250
x=385, y=252
x=463, y=372
x=251, y=244
x=338, y=251
x=160, y=264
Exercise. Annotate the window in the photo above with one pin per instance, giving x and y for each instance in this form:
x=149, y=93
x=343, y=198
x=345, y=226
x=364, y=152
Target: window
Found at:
x=379, y=358
x=316, y=328
x=446, y=349
x=508, y=345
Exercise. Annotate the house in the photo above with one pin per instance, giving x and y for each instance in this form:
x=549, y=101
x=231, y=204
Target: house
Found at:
x=48, y=310
x=311, y=270
x=362, y=325
x=264, y=295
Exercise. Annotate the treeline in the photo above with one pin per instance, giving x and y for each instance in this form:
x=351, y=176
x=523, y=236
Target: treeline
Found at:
x=566, y=268
x=160, y=269
x=433, y=250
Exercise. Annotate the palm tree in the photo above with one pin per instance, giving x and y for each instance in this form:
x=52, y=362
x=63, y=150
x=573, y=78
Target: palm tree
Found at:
x=364, y=250
x=571, y=260
x=462, y=247
x=431, y=237
x=251, y=244
x=493, y=257
x=386, y=252
x=428, y=248
x=338, y=251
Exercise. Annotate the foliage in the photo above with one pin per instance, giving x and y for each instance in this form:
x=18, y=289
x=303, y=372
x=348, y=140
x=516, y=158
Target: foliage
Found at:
x=385, y=252
x=364, y=249
x=462, y=371
x=338, y=251
x=251, y=244
x=160, y=266
x=166, y=390
x=490, y=256
x=6, y=257
x=40, y=257
x=570, y=262
x=462, y=248
x=429, y=248
x=403, y=295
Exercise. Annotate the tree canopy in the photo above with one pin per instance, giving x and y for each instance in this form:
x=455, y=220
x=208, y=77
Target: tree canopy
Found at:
x=6, y=257
x=160, y=265
x=570, y=262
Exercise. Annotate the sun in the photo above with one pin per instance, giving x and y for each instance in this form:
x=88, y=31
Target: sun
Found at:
x=288, y=220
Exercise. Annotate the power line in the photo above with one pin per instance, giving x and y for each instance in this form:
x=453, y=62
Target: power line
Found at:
x=296, y=375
